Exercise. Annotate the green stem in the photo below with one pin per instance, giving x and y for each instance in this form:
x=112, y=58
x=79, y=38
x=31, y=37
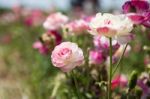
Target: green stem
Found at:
x=87, y=71
x=118, y=63
x=76, y=85
x=110, y=69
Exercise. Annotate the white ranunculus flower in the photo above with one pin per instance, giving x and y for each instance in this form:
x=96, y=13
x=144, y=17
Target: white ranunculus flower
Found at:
x=110, y=25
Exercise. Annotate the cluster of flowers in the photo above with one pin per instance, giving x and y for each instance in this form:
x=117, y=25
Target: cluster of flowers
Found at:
x=68, y=55
x=106, y=25
x=102, y=26
x=52, y=37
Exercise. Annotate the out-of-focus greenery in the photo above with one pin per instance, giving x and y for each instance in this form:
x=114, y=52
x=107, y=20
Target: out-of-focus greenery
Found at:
x=32, y=72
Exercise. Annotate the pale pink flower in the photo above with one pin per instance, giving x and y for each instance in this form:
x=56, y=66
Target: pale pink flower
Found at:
x=67, y=56
x=55, y=21
x=119, y=80
x=77, y=26
x=110, y=25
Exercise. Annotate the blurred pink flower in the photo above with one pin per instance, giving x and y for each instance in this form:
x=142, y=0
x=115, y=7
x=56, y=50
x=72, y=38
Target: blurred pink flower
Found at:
x=143, y=18
x=119, y=81
x=34, y=18
x=88, y=18
x=37, y=45
x=56, y=36
x=28, y=21
x=136, y=18
x=17, y=9
x=41, y=48
x=77, y=26
x=67, y=56
x=102, y=42
x=138, y=11
x=96, y=57
x=136, y=6
x=47, y=42
x=143, y=83
x=55, y=21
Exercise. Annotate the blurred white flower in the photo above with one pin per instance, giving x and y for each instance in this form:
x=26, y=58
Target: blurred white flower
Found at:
x=110, y=25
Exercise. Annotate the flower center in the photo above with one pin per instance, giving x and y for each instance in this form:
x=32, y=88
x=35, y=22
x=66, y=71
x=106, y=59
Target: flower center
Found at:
x=103, y=30
x=64, y=52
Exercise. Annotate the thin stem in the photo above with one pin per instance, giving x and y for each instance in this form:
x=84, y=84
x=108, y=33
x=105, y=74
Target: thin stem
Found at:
x=110, y=69
x=87, y=70
x=118, y=63
x=76, y=84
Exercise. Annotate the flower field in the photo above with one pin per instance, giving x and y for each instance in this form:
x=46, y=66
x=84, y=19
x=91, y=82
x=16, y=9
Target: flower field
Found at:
x=66, y=55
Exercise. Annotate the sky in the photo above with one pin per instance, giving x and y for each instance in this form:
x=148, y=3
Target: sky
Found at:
x=61, y=4
x=43, y=4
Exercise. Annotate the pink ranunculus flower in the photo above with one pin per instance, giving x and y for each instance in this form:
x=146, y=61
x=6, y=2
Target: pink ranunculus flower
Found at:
x=136, y=6
x=77, y=26
x=67, y=56
x=138, y=11
x=136, y=18
x=119, y=80
x=55, y=21
x=110, y=25
x=140, y=18
x=96, y=57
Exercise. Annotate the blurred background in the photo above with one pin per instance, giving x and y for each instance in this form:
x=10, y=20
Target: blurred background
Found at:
x=24, y=73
